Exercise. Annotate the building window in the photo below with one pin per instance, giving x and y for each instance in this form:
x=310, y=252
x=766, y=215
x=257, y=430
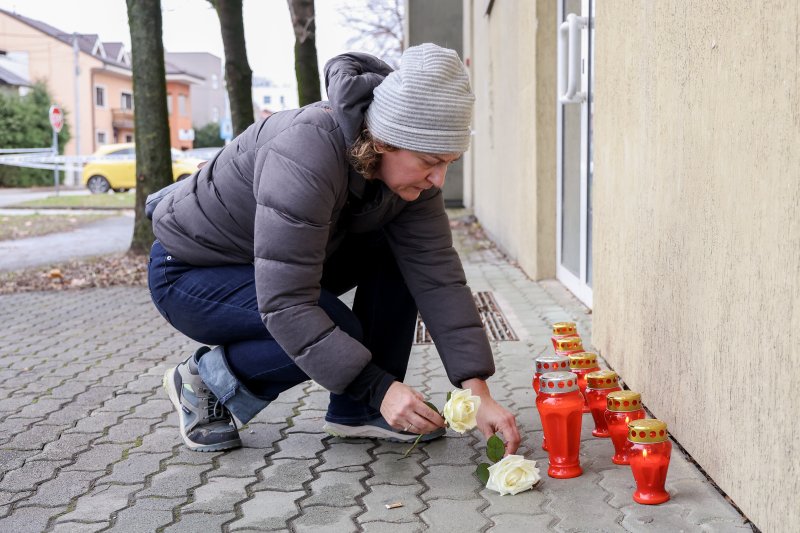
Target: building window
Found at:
x=283, y=100
x=126, y=101
x=128, y=138
x=169, y=104
x=267, y=100
x=99, y=96
x=101, y=138
x=215, y=114
x=214, y=81
x=182, y=105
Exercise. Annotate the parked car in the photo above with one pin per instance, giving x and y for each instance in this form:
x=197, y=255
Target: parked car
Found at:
x=115, y=168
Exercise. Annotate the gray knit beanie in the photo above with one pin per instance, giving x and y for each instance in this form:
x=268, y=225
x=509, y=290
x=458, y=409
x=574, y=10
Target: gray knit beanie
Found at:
x=425, y=105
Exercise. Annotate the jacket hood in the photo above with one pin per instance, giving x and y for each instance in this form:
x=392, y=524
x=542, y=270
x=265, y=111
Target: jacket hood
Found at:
x=349, y=80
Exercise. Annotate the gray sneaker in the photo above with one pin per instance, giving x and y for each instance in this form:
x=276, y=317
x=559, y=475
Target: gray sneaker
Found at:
x=377, y=428
x=205, y=424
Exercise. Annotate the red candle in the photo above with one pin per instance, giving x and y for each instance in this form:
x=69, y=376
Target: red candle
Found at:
x=598, y=385
x=580, y=364
x=649, y=454
x=568, y=345
x=559, y=404
x=563, y=329
x=622, y=407
x=544, y=365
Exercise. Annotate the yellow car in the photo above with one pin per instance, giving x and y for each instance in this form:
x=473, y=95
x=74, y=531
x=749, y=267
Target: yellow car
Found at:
x=115, y=168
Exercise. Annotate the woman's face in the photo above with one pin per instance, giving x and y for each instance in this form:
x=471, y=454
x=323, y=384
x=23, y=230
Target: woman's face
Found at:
x=408, y=173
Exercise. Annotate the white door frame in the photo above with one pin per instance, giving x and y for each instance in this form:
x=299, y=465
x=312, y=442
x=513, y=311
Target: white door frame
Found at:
x=576, y=284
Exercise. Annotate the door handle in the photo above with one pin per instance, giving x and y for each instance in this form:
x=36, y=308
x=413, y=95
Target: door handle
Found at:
x=569, y=59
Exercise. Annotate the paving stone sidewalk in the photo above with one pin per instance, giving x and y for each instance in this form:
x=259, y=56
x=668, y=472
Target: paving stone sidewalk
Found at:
x=89, y=442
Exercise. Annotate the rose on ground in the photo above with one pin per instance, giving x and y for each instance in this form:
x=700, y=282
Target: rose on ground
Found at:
x=461, y=410
x=512, y=475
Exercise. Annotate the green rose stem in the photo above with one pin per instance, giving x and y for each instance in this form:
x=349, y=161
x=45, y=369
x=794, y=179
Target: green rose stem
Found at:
x=429, y=404
x=494, y=451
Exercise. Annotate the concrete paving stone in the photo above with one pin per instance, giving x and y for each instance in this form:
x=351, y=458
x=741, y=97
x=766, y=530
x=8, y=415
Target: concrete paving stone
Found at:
x=40, y=409
x=514, y=523
x=94, y=423
x=451, y=482
x=144, y=383
x=292, y=395
x=41, y=386
x=267, y=510
x=61, y=489
x=725, y=527
x=29, y=475
x=155, y=407
x=218, y=494
x=454, y=449
x=134, y=468
x=194, y=522
x=335, y=489
x=579, y=501
x=242, y=462
x=97, y=457
x=122, y=402
x=389, y=527
x=619, y=483
x=68, y=415
x=136, y=520
x=286, y=474
x=99, y=504
x=7, y=497
x=529, y=501
x=702, y=500
x=384, y=446
x=326, y=519
x=456, y=516
x=13, y=459
x=175, y=481
x=308, y=421
x=393, y=469
x=381, y=495
x=128, y=430
x=68, y=389
x=263, y=436
x=300, y=446
x=681, y=468
x=184, y=455
x=78, y=527
x=664, y=518
x=28, y=519
x=276, y=413
x=316, y=400
x=162, y=440
x=95, y=395
x=342, y=453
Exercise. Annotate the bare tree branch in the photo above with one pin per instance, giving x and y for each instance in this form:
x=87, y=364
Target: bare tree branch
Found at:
x=377, y=26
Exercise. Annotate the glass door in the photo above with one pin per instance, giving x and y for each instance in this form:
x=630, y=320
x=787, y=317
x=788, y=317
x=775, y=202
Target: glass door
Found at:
x=574, y=144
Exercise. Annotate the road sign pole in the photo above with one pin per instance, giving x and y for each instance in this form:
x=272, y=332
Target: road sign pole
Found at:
x=55, y=165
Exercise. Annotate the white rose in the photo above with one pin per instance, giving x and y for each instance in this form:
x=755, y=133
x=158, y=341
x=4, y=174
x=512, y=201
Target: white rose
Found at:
x=512, y=474
x=461, y=409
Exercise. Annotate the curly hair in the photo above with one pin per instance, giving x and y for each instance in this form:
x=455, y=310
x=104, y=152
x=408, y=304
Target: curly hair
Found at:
x=366, y=153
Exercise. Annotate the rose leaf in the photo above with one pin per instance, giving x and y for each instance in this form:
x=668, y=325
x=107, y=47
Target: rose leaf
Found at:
x=495, y=448
x=429, y=404
x=449, y=394
x=483, y=472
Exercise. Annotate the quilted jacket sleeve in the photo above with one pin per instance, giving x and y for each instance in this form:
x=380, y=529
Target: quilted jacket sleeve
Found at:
x=299, y=179
x=423, y=245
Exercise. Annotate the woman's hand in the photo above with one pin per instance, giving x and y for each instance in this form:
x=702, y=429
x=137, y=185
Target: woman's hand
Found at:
x=493, y=417
x=404, y=409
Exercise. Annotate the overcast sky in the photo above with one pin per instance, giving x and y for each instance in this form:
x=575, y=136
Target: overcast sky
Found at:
x=193, y=26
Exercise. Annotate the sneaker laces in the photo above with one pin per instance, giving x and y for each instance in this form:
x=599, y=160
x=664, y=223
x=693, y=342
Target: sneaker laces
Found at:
x=217, y=412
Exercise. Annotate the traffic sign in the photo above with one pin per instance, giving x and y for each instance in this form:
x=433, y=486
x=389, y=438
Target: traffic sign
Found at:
x=56, y=118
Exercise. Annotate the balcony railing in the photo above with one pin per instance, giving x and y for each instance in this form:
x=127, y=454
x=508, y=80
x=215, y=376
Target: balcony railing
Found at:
x=122, y=118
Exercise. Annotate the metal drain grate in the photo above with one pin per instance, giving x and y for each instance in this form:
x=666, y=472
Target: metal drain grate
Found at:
x=494, y=321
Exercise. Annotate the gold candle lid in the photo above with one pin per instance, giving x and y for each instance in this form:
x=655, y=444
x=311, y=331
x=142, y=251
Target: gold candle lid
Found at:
x=624, y=400
x=647, y=431
x=565, y=328
x=602, y=379
x=582, y=360
x=569, y=344
x=552, y=363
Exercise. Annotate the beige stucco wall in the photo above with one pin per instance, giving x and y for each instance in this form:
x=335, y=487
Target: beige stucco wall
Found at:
x=511, y=167
x=697, y=232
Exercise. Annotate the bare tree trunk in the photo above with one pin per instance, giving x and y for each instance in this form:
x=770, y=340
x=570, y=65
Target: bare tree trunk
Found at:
x=238, y=75
x=153, y=159
x=305, y=51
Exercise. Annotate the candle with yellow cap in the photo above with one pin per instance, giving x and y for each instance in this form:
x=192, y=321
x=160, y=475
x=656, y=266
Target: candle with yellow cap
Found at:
x=598, y=385
x=581, y=364
x=649, y=455
x=568, y=345
x=622, y=407
x=563, y=329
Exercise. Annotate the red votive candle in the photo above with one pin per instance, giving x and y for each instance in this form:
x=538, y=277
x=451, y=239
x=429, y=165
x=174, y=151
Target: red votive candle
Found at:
x=649, y=454
x=580, y=364
x=544, y=365
x=559, y=404
x=563, y=329
x=598, y=385
x=622, y=407
x=568, y=345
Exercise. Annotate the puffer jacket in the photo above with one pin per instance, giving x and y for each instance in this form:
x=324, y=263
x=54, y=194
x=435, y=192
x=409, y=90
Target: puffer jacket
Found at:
x=282, y=196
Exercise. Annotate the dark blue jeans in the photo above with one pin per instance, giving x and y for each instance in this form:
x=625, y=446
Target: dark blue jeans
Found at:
x=217, y=305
